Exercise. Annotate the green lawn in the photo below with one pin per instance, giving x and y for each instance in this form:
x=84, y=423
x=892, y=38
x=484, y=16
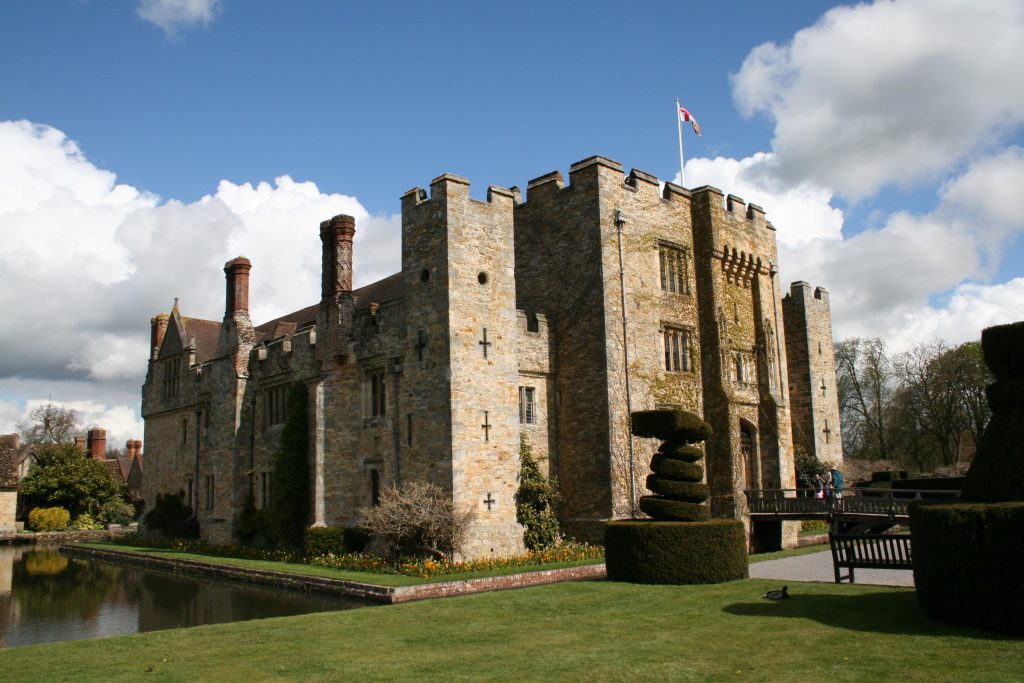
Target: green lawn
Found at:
x=390, y=580
x=593, y=631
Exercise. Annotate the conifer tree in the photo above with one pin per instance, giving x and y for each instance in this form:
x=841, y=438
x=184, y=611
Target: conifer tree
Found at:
x=289, y=491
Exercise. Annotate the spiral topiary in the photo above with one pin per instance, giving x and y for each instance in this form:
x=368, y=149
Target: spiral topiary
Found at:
x=681, y=544
x=677, y=482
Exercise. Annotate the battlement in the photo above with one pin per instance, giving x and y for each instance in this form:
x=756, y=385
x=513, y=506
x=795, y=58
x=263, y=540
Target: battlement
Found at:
x=536, y=325
x=450, y=186
x=801, y=291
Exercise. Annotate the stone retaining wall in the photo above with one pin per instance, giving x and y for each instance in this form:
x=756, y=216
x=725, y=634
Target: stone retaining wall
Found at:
x=354, y=589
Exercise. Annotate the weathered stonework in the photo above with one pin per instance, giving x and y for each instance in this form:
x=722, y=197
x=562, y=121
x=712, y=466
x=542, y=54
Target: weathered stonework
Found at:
x=562, y=298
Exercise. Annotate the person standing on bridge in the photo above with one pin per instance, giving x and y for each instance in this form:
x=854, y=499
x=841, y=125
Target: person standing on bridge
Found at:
x=819, y=486
x=837, y=482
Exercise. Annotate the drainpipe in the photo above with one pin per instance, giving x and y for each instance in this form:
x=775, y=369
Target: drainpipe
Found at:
x=619, y=222
x=396, y=435
x=195, y=487
x=772, y=271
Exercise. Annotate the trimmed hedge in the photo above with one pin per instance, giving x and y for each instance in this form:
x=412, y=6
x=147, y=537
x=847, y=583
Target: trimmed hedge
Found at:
x=1001, y=345
x=330, y=540
x=660, y=552
x=676, y=469
x=969, y=563
x=686, y=491
x=670, y=424
x=680, y=451
x=674, y=510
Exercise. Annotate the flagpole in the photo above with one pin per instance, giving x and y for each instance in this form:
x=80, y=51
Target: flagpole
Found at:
x=679, y=126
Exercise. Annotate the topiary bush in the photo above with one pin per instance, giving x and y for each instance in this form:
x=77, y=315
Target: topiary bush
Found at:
x=330, y=540
x=171, y=517
x=49, y=519
x=969, y=563
x=681, y=544
x=645, y=551
x=968, y=558
x=536, y=499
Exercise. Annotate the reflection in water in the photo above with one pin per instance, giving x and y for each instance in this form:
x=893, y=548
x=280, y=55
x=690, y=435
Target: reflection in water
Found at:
x=46, y=596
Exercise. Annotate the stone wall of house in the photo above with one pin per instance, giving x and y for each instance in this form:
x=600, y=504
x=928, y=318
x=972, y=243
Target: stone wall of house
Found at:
x=8, y=508
x=812, y=372
x=537, y=372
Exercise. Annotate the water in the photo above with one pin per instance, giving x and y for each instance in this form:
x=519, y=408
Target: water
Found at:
x=46, y=597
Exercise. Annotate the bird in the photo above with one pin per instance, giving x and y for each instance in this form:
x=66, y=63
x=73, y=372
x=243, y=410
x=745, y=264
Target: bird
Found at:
x=778, y=595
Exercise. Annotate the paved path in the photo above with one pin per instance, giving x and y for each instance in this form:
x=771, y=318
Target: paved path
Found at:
x=818, y=567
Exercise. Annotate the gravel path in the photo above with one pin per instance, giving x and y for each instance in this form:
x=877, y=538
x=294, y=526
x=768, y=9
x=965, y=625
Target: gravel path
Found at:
x=818, y=567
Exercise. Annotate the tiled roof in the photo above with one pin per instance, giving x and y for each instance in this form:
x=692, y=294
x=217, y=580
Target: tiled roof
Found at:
x=388, y=289
x=206, y=333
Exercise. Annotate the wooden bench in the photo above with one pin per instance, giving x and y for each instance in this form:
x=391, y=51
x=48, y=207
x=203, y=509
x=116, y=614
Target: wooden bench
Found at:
x=869, y=551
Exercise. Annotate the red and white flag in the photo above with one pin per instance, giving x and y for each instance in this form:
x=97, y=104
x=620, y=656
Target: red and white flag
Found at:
x=686, y=116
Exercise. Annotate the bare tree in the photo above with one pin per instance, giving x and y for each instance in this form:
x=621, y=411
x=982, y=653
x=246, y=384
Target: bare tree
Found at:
x=866, y=384
x=417, y=518
x=50, y=424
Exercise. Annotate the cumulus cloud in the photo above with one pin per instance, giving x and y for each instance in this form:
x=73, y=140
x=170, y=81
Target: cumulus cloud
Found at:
x=888, y=93
x=881, y=279
x=175, y=15
x=88, y=262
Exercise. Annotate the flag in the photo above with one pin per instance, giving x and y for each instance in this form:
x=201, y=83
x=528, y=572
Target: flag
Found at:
x=686, y=116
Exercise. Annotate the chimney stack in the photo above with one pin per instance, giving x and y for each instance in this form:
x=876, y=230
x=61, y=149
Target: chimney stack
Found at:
x=157, y=330
x=237, y=273
x=97, y=445
x=336, y=236
x=80, y=442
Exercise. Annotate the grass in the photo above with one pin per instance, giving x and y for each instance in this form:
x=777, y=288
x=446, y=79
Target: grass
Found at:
x=592, y=631
x=389, y=580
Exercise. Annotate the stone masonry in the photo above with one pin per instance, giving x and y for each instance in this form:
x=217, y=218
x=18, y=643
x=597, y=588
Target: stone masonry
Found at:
x=551, y=317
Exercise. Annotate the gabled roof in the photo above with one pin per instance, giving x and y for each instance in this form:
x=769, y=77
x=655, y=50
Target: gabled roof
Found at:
x=206, y=333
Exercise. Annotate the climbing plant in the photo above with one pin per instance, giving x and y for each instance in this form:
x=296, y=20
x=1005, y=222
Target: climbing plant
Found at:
x=536, y=499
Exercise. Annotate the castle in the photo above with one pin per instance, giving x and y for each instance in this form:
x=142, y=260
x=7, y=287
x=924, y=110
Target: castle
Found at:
x=551, y=317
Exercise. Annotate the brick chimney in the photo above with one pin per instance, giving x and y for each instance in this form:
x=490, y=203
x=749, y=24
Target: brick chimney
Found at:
x=157, y=330
x=97, y=444
x=336, y=235
x=237, y=273
x=80, y=442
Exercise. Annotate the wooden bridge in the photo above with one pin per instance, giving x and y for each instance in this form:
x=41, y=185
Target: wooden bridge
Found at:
x=864, y=508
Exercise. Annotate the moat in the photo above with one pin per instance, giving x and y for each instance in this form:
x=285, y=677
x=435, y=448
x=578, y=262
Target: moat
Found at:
x=46, y=597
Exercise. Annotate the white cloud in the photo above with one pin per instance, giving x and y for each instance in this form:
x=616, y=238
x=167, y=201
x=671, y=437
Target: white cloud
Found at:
x=888, y=93
x=881, y=279
x=175, y=15
x=88, y=262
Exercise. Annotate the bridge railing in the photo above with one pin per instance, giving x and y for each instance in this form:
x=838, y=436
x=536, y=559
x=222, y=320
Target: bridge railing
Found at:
x=856, y=501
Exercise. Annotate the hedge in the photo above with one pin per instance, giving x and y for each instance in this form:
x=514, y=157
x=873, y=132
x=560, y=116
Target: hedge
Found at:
x=1001, y=345
x=687, y=491
x=674, y=510
x=681, y=452
x=676, y=469
x=662, y=552
x=670, y=424
x=968, y=561
x=331, y=540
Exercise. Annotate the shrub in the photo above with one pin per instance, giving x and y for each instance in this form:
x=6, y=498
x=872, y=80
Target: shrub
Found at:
x=252, y=524
x=687, y=491
x=417, y=519
x=85, y=522
x=967, y=563
x=674, y=510
x=685, y=453
x=329, y=540
x=115, y=511
x=676, y=469
x=535, y=502
x=644, y=551
x=63, y=476
x=49, y=519
x=668, y=424
x=807, y=466
x=172, y=517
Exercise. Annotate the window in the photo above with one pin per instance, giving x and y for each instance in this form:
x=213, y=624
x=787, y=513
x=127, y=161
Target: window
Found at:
x=274, y=400
x=527, y=405
x=374, y=487
x=375, y=394
x=209, y=492
x=678, y=343
x=675, y=276
x=172, y=373
x=264, y=489
x=740, y=368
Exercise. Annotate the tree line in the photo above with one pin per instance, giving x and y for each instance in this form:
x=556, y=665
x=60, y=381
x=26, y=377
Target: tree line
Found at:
x=922, y=410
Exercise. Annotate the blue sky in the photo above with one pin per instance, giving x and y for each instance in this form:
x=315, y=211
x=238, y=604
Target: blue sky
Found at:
x=142, y=144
